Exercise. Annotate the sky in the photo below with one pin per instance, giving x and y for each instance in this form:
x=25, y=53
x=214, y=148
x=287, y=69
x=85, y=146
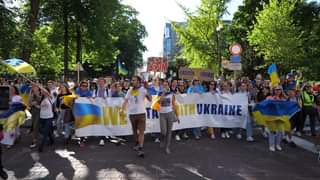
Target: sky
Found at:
x=153, y=14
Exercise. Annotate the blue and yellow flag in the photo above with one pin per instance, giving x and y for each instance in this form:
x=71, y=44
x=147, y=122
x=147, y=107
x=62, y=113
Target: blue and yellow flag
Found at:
x=19, y=66
x=14, y=117
x=122, y=70
x=25, y=94
x=273, y=72
x=275, y=114
x=86, y=114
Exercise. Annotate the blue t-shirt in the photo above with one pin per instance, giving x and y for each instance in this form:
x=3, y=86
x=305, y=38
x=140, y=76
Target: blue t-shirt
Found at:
x=86, y=93
x=196, y=89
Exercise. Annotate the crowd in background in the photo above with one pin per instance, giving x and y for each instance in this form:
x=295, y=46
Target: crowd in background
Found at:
x=52, y=118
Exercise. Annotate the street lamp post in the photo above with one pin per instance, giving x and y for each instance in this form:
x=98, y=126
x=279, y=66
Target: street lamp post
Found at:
x=218, y=29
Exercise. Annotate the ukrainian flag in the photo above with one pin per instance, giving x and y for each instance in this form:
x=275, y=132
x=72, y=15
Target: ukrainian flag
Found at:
x=25, y=94
x=14, y=117
x=19, y=66
x=122, y=70
x=272, y=71
x=86, y=114
x=275, y=114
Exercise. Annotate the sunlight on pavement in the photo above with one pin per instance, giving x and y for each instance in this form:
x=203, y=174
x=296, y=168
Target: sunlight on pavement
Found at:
x=38, y=171
x=81, y=171
x=138, y=172
x=192, y=170
x=110, y=173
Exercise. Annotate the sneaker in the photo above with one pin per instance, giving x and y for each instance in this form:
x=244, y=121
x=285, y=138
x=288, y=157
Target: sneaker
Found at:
x=239, y=136
x=278, y=147
x=213, y=136
x=185, y=136
x=3, y=174
x=250, y=139
x=265, y=134
x=136, y=147
x=197, y=137
x=101, y=143
x=299, y=134
x=33, y=145
x=168, y=151
x=157, y=140
x=223, y=135
x=227, y=135
x=177, y=138
x=140, y=153
x=56, y=134
x=271, y=148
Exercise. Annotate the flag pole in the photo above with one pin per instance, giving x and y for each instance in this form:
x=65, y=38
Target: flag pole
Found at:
x=78, y=72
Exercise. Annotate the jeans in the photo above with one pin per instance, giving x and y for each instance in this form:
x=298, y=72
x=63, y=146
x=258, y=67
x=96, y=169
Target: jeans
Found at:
x=67, y=127
x=275, y=138
x=166, y=122
x=249, y=131
x=312, y=112
x=196, y=132
x=46, y=131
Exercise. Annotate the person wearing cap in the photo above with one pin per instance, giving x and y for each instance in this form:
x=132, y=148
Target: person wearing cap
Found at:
x=308, y=109
x=196, y=87
x=275, y=136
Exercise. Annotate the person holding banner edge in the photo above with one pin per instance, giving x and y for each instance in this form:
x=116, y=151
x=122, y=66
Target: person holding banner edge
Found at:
x=168, y=115
x=134, y=101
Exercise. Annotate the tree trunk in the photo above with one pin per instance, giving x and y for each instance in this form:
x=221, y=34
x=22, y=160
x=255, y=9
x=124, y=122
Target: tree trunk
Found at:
x=32, y=22
x=66, y=44
x=79, y=45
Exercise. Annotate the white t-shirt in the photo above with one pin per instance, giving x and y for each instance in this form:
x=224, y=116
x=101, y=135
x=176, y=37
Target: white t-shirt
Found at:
x=166, y=104
x=46, y=111
x=136, y=103
x=16, y=99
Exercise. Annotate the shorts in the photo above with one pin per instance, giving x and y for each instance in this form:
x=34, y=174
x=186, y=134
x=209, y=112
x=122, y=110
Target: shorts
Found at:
x=138, y=122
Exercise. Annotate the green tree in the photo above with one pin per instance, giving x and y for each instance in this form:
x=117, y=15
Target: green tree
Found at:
x=276, y=37
x=242, y=23
x=200, y=38
x=8, y=30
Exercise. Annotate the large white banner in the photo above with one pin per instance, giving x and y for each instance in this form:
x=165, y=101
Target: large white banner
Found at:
x=104, y=117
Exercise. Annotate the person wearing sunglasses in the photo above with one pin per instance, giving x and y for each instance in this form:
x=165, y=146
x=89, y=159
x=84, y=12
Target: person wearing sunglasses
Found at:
x=196, y=87
x=83, y=90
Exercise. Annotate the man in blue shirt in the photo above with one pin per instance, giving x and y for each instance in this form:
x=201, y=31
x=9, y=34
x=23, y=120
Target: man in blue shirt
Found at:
x=83, y=90
x=196, y=87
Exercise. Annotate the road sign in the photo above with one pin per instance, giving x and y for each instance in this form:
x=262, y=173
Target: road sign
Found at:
x=235, y=66
x=235, y=49
x=235, y=59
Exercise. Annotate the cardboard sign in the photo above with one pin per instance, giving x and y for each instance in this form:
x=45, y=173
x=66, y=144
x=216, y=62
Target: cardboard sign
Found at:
x=191, y=73
x=157, y=64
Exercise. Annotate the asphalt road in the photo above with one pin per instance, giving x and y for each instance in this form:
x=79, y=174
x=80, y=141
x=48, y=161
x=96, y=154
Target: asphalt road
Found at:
x=224, y=159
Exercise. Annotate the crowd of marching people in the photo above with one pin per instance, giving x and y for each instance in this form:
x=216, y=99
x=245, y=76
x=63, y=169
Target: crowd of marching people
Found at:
x=52, y=118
